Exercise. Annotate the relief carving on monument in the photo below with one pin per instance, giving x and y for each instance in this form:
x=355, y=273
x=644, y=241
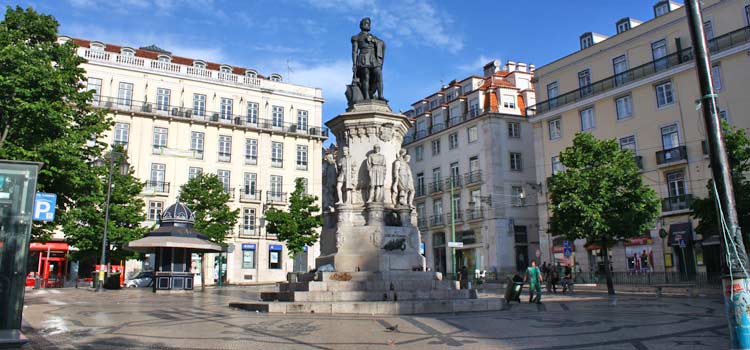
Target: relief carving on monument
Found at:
x=346, y=181
x=330, y=177
x=376, y=170
x=402, y=189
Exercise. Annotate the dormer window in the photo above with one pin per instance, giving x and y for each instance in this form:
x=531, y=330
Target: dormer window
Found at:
x=97, y=46
x=275, y=77
x=225, y=69
x=661, y=8
x=587, y=41
x=164, y=58
x=251, y=73
x=127, y=52
x=199, y=64
x=623, y=26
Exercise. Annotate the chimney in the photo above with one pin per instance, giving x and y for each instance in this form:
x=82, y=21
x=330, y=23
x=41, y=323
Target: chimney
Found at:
x=521, y=66
x=532, y=68
x=491, y=67
x=510, y=66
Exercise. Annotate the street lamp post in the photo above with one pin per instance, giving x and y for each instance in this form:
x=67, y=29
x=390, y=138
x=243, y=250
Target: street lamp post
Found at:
x=103, y=259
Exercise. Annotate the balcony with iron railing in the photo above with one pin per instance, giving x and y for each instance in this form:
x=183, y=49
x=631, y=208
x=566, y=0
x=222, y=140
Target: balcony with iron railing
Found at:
x=474, y=214
x=422, y=223
x=157, y=187
x=190, y=114
x=436, y=221
x=671, y=155
x=436, y=187
x=249, y=230
x=676, y=203
x=458, y=218
x=417, y=135
x=276, y=198
x=250, y=195
x=454, y=182
x=230, y=192
x=473, y=177
x=718, y=44
x=419, y=191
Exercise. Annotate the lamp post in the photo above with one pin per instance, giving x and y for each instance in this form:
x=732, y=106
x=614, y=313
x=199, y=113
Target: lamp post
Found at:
x=124, y=168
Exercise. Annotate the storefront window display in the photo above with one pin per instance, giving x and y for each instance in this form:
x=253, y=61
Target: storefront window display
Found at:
x=274, y=256
x=640, y=258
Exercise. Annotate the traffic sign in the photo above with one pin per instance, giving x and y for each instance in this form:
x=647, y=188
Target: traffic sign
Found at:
x=567, y=252
x=455, y=244
x=566, y=244
x=682, y=243
x=44, y=206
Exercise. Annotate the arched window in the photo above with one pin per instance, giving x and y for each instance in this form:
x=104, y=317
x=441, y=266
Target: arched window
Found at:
x=199, y=64
x=275, y=77
x=164, y=58
x=97, y=46
x=251, y=73
x=127, y=52
x=225, y=69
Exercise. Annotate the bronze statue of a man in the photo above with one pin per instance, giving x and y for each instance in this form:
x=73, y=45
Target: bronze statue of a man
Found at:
x=367, y=62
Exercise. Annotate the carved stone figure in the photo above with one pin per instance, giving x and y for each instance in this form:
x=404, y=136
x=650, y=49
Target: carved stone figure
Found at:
x=377, y=170
x=330, y=179
x=346, y=177
x=402, y=190
x=367, y=64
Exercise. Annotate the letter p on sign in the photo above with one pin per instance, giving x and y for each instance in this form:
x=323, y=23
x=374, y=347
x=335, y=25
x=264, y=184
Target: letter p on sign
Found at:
x=44, y=206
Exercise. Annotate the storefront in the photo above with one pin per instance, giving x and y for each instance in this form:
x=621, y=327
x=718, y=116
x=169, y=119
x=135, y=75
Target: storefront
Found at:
x=639, y=254
x=275, y=257
x=49, y=263
x=681, y=241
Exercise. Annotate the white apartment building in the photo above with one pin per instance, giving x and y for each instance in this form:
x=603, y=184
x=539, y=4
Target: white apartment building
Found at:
x=181, y=116
x=472, y=161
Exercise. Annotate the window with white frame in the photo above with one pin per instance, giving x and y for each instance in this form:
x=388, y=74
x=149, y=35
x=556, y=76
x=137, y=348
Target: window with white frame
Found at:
x=225, y=178
x=472, y=134
x=98, y=47
x=555, y=129
x=276, y=191
x=158, y=175
x=251, y=73
x=193, y=172
x=628, y=142
x=433, y=104
x=676, y=185
x=277, y=116
x=154, y=210
x=509, y=101
x=584, y=82
x=435, y=147
x=251, y=151
x=125, y=94
x=437, y=211
x=301, y=120
x=455, y=174
x=164, y=58
x=122, y=133
x=623, y=26
x=716, y=76
x=199, y=64
x=557, y=165
x=474, y=107
x=587, y=119
x=420, y=185
x=456, y=205
x=624, y=107
x=225, y=69
x=162, y=99
x=517, y=196
x=670, y=136
x=661, y=9
x=302, y=157
x=515, y=161
x=277, y=154
x=275, y=77
x=252, y=113
x=553, y=90
x=474, y=166
x=620, y=66
x=659, y=54
x=587, y=41
x=226, y=109
x=96, y=85
x=196, y=143
x=664, y=96
x=225, y=148
x=453, y=140
x=708, y=28
x=160, y=139
x=250, y=183
x=419, y=152
x=514, y=130
x=248, y=224
x=199, y=105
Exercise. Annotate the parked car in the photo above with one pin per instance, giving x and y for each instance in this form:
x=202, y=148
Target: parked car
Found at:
x=142, y=280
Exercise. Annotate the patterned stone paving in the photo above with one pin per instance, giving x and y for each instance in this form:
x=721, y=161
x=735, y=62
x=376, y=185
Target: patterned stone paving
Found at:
x=138, y=319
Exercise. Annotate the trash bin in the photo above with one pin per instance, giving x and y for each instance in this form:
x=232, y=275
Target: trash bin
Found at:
x=112, y=281
x=513, y=289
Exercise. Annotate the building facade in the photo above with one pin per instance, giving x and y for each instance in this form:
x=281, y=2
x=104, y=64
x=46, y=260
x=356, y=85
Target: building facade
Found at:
x=178, y=117
x=471, y=150
x=639, y=86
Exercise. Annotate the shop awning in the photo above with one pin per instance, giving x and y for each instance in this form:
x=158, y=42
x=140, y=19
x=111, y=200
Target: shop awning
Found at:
x=52, y=246
x=680, y=231
x=645, y=240
x=173, y=237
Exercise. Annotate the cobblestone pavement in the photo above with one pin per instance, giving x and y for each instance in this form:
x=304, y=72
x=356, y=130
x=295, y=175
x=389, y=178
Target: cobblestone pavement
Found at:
x=138, y=319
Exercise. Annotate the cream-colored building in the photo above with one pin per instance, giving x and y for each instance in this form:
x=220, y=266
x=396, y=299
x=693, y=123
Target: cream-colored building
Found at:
x=180, y=116
x=473, y=136
x=639, y=86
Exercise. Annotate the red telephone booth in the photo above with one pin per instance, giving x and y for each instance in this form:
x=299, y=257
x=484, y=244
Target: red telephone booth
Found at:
x=51, y=263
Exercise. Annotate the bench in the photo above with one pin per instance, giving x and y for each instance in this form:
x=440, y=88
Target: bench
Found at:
x=660, y=287
x=12, y=339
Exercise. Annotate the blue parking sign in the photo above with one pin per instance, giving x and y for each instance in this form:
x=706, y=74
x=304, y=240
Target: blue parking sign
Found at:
x=44, y=206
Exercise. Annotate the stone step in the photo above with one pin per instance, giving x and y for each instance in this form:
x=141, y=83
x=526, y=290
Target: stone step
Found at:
x=406, y=307
x=362, y=276
x=369, y=295
x=396, y=285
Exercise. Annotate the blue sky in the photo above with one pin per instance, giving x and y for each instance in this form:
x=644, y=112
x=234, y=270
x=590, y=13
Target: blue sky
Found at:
x=308, y=41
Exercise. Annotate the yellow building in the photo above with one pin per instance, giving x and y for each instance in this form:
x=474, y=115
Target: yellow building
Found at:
x=639, y=86
x=180, y=116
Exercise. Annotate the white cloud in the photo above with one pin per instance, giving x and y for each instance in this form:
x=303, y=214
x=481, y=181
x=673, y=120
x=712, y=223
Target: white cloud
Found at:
x=330, y=76
x=475, y=65
x=159, y=6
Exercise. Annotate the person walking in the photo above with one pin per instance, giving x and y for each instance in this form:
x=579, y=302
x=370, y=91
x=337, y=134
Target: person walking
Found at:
x=534, y=276
x=545, y=273
x=554, y=276
x=567, y=281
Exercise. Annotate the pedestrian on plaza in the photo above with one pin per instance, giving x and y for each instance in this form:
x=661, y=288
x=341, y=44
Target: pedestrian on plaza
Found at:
x=463, y=277
x=534, y=276
x=554, y=277
x=545, y=273
x=567, y=281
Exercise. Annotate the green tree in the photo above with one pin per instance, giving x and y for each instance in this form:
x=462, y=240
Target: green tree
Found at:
x=600, y=196
x=206, y=197
x=297, y=226
x=85, y=225
x=738, y=151
x=45, y=115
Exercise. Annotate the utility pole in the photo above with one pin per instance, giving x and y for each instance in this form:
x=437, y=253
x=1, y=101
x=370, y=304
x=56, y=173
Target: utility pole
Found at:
x=735, y=280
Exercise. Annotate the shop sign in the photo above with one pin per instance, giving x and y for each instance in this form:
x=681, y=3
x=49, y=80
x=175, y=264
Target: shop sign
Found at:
x=44, y=206
x=248, y=246
x=276, y=247
x=455, y=244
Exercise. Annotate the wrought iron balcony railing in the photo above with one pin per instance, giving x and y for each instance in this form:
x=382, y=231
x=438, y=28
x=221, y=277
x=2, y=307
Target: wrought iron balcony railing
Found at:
x=671, y=155
x=248, y=195
x=160, y=187
x=473, y=177
x=676, y=203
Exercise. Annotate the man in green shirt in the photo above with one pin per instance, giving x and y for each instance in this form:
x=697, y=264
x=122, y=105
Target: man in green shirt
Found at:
x=534, y=276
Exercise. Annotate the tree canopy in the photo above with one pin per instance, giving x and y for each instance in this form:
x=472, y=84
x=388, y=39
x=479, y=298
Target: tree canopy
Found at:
x=206, y=197
x=298, y=225
x=45, y=115
x=600, y=195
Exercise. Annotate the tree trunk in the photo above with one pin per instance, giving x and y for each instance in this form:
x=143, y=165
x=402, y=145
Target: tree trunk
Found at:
x=203, y=271
x=607, y=271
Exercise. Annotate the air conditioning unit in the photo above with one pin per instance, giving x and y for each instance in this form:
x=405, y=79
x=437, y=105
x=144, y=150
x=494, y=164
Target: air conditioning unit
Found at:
x=188, y=113
x=175, y=111
x=215, y=117
x=293, y=128
x=237, y=121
